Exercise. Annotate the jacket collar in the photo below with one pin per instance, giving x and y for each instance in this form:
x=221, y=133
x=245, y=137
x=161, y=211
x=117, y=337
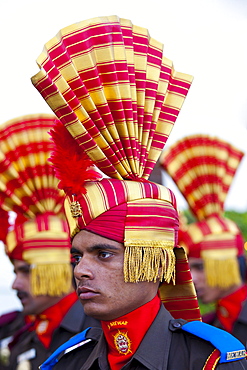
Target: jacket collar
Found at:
x=158, y=334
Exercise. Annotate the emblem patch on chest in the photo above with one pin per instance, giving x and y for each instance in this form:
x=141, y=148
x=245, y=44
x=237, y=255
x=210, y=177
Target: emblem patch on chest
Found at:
x=42, y=327
x=122, y=343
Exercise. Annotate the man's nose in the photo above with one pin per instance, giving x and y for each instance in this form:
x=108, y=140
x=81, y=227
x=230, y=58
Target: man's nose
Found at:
x=84, y=269
x=195, y=275
x=17, y=284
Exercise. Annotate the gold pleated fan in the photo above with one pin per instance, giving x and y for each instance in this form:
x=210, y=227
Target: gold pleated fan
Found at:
x=109, y=83
x=28, y=185
x=203, y=168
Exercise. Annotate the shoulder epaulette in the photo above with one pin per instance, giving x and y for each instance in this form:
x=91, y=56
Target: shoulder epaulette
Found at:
x=7, y=318
x=231, y=349
x=78, y=339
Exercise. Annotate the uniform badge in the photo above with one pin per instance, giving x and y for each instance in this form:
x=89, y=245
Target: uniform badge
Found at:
x=42, y=327
x=24, y=365
x=122, y=343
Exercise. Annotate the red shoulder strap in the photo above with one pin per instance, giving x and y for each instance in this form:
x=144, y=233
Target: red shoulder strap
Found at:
x=212, y=360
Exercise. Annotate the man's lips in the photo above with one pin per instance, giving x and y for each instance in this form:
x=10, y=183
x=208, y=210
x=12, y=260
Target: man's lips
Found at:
x=86, y=293
x=23, y=296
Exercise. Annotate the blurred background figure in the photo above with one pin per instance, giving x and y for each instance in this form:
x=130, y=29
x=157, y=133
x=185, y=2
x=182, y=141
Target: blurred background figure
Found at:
x=37, y=243
x=203, y=168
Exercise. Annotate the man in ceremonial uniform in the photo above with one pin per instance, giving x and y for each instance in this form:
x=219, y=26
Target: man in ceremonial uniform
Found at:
x=117, y=98
x=38, y=245
x=203, y=168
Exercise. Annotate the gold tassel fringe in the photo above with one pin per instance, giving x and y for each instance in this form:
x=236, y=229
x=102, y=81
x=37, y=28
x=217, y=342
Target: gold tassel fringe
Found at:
x=149, y=264
x=51, y=279
x=75, y=231
x=222, y=273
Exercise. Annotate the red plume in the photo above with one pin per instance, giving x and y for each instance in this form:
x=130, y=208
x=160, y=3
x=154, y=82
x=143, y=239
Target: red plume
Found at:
x=72, y=166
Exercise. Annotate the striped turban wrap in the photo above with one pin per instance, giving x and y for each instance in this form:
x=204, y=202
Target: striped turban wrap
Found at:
x=118, y=97
x=203, y=168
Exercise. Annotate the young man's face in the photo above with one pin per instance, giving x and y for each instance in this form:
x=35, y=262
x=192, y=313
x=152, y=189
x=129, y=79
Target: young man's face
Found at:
x=100, y=280
x=32, y=305
x=206, y=293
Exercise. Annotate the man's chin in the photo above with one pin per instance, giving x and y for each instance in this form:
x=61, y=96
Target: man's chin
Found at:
x=26, y=310
x=92, y=312
x=96, y=313
x=205, y=300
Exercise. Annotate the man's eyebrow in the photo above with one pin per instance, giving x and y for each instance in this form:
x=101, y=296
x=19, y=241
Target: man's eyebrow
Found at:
x=95, y=247
x=21, y=269
x=73, y=250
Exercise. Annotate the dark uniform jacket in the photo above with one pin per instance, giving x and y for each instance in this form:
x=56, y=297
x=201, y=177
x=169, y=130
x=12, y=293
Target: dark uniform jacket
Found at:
x=165, y=346
x=10, y=323
x=28, y=352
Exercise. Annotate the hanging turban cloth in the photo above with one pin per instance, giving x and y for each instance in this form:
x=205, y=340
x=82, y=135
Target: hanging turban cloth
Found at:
x=28, y=187
x=118, y=97
x=203, y=168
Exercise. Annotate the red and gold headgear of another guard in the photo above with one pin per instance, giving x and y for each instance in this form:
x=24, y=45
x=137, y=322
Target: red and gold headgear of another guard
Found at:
x=118, y=96
x=203, y=167
x=28, y=187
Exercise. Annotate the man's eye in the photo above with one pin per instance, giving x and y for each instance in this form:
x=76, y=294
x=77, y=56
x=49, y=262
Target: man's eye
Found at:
x=75, y=259
x=197, y=267
x=200, y=267
x=24, y=271
x=104, y=254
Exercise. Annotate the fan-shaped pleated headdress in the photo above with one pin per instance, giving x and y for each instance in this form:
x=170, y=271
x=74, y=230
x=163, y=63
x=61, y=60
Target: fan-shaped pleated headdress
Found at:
x=118, y=96
x=28, y=187
x=203, y=168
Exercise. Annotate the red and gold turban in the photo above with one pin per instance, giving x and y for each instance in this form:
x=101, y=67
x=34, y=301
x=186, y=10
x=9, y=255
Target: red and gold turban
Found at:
x=203, y=168
x=28, y=187
x=110, y=85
